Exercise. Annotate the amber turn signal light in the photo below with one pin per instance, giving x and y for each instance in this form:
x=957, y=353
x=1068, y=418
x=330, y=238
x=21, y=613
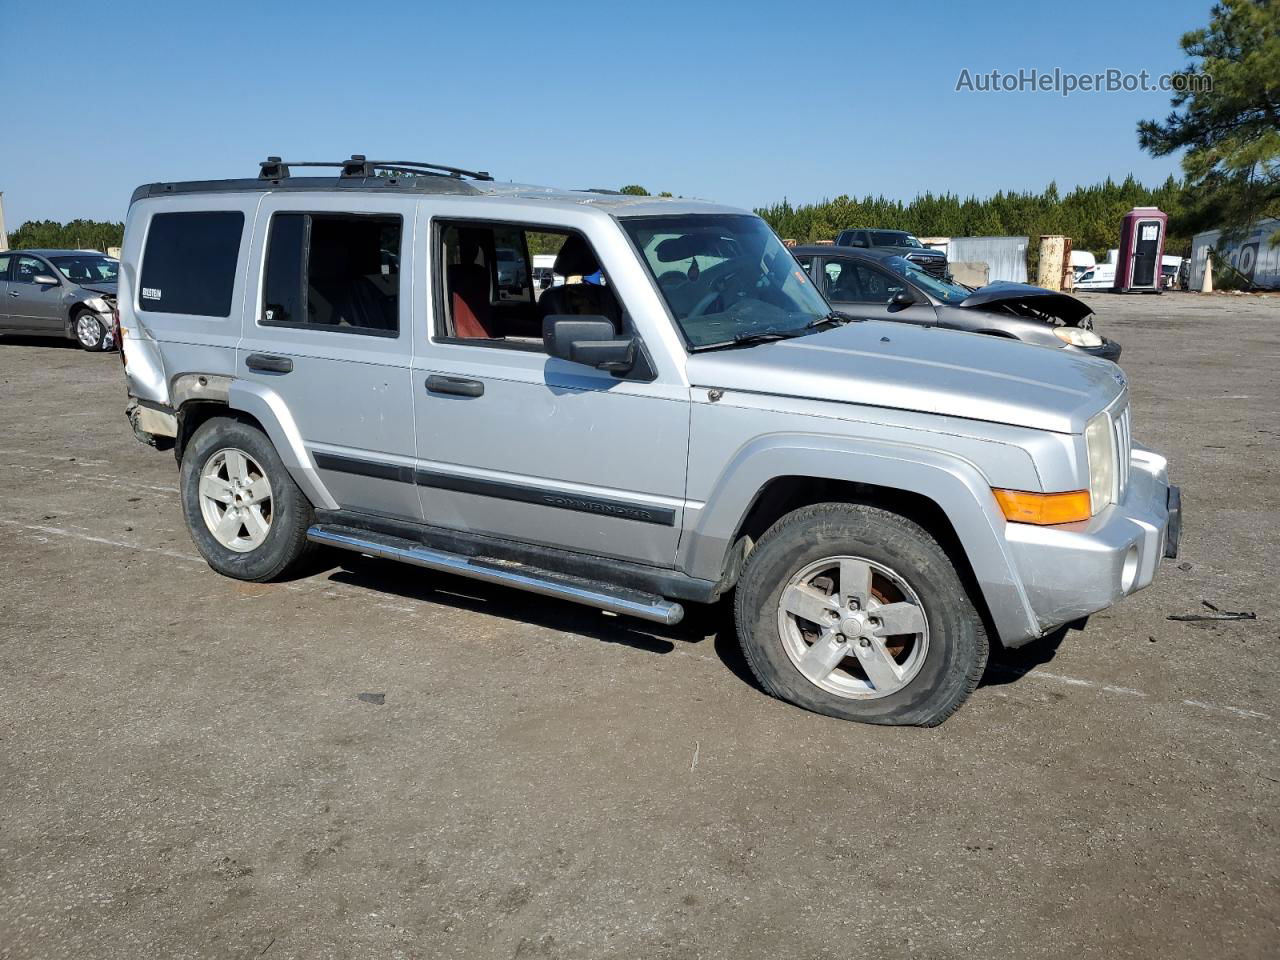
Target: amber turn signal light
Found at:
x=1043, y=508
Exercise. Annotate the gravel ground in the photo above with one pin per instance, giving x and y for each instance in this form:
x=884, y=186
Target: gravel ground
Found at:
x=375, y=761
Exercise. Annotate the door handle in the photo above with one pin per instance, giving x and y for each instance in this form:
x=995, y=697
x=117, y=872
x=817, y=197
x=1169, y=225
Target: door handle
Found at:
x=455, y=386
x=267, y=363
x=13, y=293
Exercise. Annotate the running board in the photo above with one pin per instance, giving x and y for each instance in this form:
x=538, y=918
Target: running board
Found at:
x=592, y=593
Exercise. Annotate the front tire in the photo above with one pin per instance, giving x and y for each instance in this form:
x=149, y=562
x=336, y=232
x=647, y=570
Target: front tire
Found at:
x=90, y=331
x=246, y=515
x=857, y=612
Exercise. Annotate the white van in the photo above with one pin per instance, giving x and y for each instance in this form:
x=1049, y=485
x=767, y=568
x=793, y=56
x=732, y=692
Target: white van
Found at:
x=544, y=274
x=1101, y=277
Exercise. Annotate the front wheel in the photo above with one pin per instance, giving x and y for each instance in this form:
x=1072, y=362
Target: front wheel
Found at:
x=856, y=612
x=246, y=515
x=91, y=332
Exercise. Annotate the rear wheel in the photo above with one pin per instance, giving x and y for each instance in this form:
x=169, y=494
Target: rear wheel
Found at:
x=857, y=612
x=246, y=515
x=90, y=331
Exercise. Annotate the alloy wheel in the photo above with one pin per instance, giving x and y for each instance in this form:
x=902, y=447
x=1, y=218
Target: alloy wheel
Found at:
x=89, y=330
x=235, y=500
x=853, y=627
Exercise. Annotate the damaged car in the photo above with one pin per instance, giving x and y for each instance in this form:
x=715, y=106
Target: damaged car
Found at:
x=876, y=285
x=66, y=293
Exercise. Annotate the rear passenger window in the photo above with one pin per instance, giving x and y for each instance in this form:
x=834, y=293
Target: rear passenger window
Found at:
x=337, y=272
x=189, y=264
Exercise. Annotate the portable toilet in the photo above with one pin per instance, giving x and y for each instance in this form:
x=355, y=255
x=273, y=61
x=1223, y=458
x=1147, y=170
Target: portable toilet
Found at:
x=1141, y=251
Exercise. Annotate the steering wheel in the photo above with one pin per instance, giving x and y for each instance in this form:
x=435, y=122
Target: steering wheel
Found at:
x=701, y=306
x=718, y=287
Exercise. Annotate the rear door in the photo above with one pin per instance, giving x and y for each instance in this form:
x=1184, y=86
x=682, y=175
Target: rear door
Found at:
x=36, y=306
x=327, y=330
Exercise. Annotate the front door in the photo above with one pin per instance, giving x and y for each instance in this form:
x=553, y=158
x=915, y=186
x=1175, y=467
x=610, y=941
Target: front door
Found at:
x=515, y=444
x=328, y=333
x=861, y=290
x=35, y=306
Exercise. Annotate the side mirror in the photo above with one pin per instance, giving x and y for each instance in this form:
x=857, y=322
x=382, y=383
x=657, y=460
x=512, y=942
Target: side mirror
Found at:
x=588, y=340
x=903, y=298
x=44, y=280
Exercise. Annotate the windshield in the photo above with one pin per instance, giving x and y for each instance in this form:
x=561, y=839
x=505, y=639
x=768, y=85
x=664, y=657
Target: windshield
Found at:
x=726, y=278
x=944, y=290
x=88, y=268
x=891, y=238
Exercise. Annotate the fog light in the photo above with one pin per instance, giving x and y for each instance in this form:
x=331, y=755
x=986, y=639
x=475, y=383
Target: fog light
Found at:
x=1129, y=572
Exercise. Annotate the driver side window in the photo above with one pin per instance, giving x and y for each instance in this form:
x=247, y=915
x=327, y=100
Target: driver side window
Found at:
x=849, y=281
x=29, y=268
x=484, y=282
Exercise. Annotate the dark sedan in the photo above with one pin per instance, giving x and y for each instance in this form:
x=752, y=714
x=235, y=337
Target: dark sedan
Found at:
x=883, y=286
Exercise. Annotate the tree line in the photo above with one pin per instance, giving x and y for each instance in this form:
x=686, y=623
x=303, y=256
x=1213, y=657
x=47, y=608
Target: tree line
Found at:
x=75, y=235
x=1089, y=215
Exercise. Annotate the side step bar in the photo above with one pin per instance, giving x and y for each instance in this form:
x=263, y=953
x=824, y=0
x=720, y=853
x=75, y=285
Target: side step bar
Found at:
x=592, y=593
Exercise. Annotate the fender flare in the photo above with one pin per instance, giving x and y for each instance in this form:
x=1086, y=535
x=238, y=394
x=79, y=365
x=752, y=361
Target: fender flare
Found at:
x=955, y=484
x=269, y=409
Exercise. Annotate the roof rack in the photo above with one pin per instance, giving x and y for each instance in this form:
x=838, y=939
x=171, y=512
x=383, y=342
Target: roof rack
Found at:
x=273, y=168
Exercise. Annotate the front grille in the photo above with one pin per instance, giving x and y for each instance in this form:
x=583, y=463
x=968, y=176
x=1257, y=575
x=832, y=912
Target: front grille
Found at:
x=936, y=266
x=1124, y=447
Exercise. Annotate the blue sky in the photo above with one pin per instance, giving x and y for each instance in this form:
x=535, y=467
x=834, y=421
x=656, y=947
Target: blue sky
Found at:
x=742, y=102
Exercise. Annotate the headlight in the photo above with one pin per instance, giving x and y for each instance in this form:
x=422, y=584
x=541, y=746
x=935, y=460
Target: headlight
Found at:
x=1100, y=446
x=1077, y=337
x=98, y=304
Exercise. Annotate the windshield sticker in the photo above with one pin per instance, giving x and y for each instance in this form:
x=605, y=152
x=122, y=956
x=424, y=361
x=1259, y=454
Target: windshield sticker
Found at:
x=801, y=277
x=150, y=293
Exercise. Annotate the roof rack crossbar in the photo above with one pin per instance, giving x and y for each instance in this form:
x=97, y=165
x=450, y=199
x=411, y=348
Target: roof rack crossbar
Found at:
x=273, y=168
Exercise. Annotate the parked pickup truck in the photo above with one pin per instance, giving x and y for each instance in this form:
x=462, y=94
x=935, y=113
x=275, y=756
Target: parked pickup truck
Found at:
x=333, y=362
x=897, y=243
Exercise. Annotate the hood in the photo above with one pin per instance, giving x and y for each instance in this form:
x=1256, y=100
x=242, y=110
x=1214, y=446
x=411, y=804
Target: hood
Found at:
x=924, y=369
x=108, y=288
x=1029, y=301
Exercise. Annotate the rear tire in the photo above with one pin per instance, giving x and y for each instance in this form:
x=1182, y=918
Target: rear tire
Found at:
x=891, y=636
x=246, y=515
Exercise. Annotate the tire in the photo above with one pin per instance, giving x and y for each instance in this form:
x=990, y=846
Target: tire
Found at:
x=83, y=325
x=903, y=574
x=223, y=467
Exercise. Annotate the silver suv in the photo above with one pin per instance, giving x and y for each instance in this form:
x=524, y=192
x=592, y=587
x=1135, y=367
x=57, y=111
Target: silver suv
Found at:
x=335, y=361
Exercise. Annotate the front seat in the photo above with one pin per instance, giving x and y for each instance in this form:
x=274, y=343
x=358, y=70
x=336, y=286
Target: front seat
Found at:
x=469, y=291
x=579, y=299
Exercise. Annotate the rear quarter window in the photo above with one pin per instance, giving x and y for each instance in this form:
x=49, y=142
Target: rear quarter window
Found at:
x=189, y=263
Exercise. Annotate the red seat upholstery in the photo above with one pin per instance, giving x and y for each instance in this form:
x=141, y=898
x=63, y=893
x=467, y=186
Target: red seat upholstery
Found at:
x=470, y=286
x=470, y=305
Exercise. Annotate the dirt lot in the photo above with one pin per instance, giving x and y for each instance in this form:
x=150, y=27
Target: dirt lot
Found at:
x=188, y=769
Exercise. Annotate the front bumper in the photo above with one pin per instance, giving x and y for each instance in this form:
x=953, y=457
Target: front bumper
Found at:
x=1107, y=350
x=1076, y=569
